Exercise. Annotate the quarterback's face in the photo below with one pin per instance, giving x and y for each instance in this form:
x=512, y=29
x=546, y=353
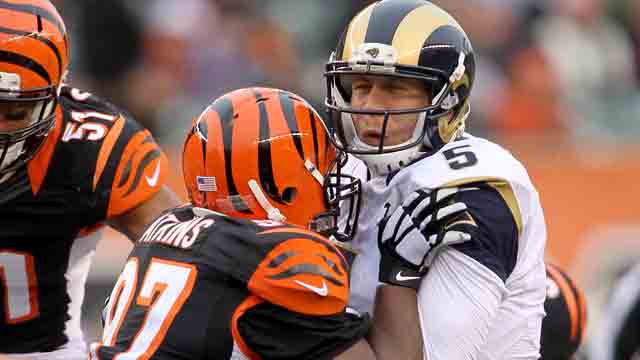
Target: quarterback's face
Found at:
x=15, y=116
x=386, y=93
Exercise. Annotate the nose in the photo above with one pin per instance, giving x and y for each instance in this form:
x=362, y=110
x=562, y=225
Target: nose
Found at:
x=376, y=99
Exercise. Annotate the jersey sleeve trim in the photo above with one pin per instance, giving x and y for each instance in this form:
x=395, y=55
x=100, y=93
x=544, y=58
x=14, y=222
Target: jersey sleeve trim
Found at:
x=247, y=304
x=107, y=147
x=502, y=187
x=505, y=190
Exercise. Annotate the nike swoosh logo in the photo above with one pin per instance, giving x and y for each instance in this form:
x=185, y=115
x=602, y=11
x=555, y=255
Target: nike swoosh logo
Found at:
x=322, y=291
x=152, y=181
x=401, y=277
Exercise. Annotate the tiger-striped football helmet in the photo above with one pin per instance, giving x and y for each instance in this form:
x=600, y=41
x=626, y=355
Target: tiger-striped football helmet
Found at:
x=564, y=325
x=401, y=39
x=262, y=153
x=34, y=56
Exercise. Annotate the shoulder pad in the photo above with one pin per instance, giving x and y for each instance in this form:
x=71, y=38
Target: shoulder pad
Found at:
x=304, y=273
x=73, y=99
x=288, y=266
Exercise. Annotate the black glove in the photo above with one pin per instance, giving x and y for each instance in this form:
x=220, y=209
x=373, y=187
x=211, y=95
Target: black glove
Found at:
x=415, y=232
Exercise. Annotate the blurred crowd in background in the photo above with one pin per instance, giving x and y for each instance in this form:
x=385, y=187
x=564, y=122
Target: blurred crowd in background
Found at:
x=557, y=83
x=567, y=69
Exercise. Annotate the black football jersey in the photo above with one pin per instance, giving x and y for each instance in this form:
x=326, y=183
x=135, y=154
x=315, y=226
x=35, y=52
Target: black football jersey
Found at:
x=96, y=163
x=206, y=286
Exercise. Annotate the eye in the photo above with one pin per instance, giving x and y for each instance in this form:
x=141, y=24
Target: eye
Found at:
x=399, y=86
x=16, y=115
x=360, y=85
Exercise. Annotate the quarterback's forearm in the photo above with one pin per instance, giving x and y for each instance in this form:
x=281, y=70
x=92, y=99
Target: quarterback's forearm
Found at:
x=395, y=333
x=396, y=330
x=458, y=301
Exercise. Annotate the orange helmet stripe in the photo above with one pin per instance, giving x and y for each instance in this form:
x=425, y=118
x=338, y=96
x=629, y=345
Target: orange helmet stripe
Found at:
x=34, y=30
x=272, y=126
x=224, y=108
x=194, y=149
x=25, y=62
x=41, y=39
x=35, y=10
x=291, y=117
x=265, y=156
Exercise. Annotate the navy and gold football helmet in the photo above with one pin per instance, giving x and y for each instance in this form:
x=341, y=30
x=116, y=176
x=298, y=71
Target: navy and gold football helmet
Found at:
x=403, y=39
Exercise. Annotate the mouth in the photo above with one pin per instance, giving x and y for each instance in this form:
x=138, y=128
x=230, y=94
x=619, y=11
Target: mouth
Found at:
x=371, y=136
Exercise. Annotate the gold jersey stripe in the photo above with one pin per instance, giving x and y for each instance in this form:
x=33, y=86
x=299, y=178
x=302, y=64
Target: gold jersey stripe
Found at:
x=503, y=188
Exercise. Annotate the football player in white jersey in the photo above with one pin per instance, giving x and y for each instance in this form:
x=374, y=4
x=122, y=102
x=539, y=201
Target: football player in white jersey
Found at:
x=459, y=213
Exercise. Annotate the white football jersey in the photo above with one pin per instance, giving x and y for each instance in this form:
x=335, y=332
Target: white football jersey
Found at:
x=468, y=310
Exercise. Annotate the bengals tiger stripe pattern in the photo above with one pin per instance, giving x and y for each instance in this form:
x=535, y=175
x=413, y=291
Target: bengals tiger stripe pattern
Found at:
x=304, y=272
x=245, y=135
x=34, y=43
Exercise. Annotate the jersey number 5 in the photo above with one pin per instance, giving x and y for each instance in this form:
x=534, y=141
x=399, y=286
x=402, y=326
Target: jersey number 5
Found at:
x=459, y=158
x=164, y=289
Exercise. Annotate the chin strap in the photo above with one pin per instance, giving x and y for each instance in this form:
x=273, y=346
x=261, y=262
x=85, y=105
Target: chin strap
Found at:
x=456, y=75
x=273, y=213
x=383, y=164
x=314, y=171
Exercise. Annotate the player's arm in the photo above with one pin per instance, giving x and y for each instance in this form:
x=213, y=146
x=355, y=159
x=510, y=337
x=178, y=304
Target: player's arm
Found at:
x=133, y=222
x=303, y=284
x=395, y=333
x=462, y=290
x=134, y=172
x=472, y=277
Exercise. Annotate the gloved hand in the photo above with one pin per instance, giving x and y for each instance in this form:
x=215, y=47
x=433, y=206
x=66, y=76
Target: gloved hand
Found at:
x=415, y=231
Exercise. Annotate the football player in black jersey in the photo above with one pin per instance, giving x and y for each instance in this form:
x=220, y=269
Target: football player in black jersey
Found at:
x=69, y=162
x=254, y=266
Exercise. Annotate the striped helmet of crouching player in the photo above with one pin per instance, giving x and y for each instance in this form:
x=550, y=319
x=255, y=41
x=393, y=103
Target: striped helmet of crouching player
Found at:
x=235, y=145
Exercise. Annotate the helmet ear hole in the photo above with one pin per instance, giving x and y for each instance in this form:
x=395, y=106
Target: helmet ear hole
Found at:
x=289, y=195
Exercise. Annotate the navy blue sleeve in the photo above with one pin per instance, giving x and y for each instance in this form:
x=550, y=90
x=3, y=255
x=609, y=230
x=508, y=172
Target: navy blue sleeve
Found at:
x=494, y=242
